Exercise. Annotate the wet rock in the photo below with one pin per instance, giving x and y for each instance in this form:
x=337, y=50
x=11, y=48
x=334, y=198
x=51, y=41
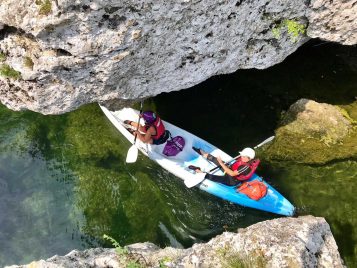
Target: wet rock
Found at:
x=285, y=242
x=314, y=133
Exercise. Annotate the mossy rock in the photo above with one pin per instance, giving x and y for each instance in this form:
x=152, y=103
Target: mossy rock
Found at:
x=315, y=133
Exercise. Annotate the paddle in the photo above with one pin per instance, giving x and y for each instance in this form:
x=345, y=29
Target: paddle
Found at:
x=132, y=154
x=234, y=158
x=199, y=177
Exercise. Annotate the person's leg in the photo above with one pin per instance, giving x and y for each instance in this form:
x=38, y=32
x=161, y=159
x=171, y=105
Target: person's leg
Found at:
x=207, y=156
x=212, y=159
x=226, y=179
x=142, y=129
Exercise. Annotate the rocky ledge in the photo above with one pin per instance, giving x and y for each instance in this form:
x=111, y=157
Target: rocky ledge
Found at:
x=56, y=55
x=305, y=241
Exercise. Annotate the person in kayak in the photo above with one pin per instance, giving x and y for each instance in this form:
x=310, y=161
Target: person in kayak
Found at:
x=242, y=169
x=154, y=130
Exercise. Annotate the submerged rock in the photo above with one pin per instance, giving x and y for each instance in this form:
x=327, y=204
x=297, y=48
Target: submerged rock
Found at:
x=286, y=242
x=314, y=133
x=58, y=55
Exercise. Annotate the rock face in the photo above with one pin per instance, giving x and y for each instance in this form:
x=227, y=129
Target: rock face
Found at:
x=57, y=55
x=286, y=242
x=315, y=133
x=333, y=21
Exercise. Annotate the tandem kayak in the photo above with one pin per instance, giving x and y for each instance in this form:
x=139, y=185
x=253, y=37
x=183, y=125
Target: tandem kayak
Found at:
x=273, y=201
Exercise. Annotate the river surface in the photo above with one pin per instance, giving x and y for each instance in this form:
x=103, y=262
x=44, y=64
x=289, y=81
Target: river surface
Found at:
x=64, y=182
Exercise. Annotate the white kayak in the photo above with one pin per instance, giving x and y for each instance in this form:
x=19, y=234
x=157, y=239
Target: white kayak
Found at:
x=178, y=165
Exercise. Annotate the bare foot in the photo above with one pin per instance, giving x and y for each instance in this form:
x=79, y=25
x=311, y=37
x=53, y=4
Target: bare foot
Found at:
x=196, y=169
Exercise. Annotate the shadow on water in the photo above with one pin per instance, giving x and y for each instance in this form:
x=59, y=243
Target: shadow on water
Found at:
x=72, y=185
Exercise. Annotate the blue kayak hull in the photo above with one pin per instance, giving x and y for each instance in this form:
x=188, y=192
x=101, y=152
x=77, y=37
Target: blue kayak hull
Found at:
x=273, y=201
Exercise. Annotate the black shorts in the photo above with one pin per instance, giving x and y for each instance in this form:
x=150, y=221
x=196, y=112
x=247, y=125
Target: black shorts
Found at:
x=162, y=139
x=225, y=179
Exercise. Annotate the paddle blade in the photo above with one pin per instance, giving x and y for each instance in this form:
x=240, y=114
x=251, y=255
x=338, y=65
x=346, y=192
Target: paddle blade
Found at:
x=193, y=181
x=132, y=154
x=265, y=141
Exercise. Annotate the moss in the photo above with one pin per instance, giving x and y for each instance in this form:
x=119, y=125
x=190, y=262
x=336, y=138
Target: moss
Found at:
x=302, y=149
x=7, y=71
x=294, y=29
x=276, y=32
x=346, y=115
x=45, y=7
x=28, y=62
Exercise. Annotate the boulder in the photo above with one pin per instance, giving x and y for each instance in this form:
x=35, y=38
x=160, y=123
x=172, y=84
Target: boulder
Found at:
x=314, y=133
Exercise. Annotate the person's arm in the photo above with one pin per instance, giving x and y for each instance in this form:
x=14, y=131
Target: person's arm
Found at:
x=146, y=137
x=227, y=169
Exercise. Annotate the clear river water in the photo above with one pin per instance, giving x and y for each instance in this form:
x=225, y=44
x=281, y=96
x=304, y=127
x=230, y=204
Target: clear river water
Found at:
x=64, y=182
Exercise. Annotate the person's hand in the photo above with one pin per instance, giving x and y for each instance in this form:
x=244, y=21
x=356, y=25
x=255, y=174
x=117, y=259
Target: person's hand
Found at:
x=219, y=160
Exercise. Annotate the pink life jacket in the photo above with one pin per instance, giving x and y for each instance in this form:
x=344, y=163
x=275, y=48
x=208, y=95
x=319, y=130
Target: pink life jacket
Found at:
x=252, y=164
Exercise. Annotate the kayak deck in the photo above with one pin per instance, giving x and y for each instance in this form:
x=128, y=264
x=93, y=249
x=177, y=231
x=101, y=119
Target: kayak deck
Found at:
x=178, y=165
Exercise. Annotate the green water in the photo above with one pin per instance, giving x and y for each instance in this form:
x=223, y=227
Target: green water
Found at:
x=64, y=182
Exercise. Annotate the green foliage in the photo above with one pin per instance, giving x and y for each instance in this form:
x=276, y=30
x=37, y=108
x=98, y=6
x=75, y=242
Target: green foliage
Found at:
x=28, y=62
x=163, y=261
x=2, y=56
x=7, y=71
x=45, y=6
x=119, y=249
x=124, y=253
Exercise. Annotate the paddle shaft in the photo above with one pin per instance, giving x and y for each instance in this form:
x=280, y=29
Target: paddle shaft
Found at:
x=137, y=127
x=235, y=158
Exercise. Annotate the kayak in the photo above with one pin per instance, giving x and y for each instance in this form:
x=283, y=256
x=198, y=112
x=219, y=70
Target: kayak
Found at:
x=273, y=201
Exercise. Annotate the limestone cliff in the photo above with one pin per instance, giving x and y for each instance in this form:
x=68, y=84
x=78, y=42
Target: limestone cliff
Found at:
x=56, y=55
x=286, y=242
